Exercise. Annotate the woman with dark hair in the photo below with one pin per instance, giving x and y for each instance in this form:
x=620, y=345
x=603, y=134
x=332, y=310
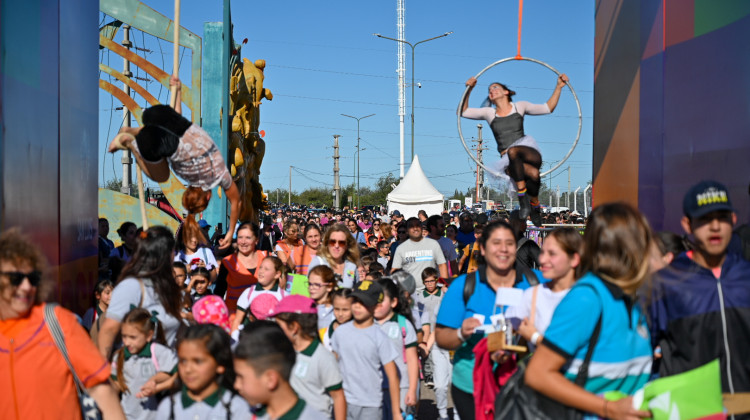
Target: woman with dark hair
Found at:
x=341, y=253
x=602, y=304
x=237, y=271
x=520, y=155
x=128, y=236
x=290, y=248
x=37, y=383
x=457, y=328
x=312, y=235
x=147, y=281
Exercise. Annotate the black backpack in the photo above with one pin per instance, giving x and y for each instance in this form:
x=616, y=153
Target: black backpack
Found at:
x=521, y=271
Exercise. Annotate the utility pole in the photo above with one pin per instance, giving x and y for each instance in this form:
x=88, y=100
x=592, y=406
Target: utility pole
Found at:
x=558, y=196
x=550, y=187
x=290, y=186
x=480, y=170
x=127, y=160
x=336, y=187
x=567, y=198
x=358, y=149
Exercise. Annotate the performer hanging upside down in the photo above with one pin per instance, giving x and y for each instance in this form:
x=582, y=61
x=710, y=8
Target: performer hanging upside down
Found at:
x=169, y=139
x=520, y=156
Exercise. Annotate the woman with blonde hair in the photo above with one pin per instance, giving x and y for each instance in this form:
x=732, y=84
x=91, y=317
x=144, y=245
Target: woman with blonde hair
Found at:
x=602, y=310
x=341, y=253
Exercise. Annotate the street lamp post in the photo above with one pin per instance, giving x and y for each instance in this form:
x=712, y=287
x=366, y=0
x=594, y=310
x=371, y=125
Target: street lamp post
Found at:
x=413, y=46
x=358, y=119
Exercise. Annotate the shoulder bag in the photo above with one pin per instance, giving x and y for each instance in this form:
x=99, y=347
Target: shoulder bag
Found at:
x=89, y=409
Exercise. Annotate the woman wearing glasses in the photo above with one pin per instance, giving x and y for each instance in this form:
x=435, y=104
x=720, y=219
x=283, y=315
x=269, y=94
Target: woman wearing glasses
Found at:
x=339, y=251
x=26, y=344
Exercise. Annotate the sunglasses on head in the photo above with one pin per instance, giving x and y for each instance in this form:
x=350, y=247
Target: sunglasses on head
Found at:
x=334, y=242
x=16, y=277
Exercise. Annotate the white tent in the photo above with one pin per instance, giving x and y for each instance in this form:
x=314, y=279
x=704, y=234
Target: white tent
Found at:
x=415, y=192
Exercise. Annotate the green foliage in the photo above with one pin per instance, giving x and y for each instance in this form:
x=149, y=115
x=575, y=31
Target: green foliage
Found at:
x=115, y=184
x=323, y=197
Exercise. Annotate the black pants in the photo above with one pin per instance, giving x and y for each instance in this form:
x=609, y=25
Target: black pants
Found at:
x=463, y=402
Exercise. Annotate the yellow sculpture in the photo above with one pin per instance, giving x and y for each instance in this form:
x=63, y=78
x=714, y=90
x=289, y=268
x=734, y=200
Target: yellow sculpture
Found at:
x=246, y=147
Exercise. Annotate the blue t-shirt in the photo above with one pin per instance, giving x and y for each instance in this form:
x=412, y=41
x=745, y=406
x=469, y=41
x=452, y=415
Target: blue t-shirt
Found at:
x=453, y=312
x=622, y=357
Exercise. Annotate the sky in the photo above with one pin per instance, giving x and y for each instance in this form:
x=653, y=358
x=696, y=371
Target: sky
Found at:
x=322, y=60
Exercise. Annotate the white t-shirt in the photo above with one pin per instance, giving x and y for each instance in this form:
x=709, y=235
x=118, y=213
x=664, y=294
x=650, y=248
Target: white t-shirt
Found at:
x=202, y=253
x=414, y=257
x=127, y=295
x=546, y=302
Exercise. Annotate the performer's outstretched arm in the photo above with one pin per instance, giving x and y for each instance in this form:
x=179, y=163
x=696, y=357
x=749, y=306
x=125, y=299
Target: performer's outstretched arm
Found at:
x=470, y=83
x=173, y=80
x=233, y=195
x=562, y=80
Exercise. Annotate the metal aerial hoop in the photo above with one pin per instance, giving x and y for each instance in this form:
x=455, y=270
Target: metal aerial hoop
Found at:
x=578, y=104
x=519, y=57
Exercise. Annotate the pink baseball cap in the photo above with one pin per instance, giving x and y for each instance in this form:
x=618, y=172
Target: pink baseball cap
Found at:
x=295, y=304
x=211, y=310
x=262, y=305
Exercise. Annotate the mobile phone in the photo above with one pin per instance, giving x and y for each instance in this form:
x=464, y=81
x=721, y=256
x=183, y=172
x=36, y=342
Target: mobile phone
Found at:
x=195, y=261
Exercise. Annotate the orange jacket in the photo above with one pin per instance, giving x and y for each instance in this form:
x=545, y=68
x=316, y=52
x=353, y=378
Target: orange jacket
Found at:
x=35, y=382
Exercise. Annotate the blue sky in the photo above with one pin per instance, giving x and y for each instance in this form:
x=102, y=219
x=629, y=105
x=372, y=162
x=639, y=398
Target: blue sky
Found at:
x=322, y=61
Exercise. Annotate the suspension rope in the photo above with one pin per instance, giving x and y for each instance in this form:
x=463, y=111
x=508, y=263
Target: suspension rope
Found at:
x=520, y=23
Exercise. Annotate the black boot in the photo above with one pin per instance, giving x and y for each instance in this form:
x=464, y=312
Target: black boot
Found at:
x=525, y=207
x=536, y=216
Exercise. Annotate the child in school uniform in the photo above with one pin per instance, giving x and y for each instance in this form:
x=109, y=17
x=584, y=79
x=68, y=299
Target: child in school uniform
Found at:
x=342, y=313
x=269, y=273
x=206, y=378
x=363, y=349
x=263, y=360
x=428, y=303
x=198, y=286
x=321, y=284
x=315, y=377
x=395, y=319
x=143, y=366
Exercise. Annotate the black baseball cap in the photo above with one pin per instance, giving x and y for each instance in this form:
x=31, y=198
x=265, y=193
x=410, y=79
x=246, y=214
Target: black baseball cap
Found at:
x=706, y=197
x=368, y=292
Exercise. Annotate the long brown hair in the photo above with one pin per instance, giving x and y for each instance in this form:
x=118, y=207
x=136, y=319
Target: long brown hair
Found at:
x=152, y=260
x=352, y=250
x=616, y=246
x=194, y=200
x=143, y=320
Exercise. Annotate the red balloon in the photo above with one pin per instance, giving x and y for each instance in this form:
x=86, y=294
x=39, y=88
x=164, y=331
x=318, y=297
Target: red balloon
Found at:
x=262, y=133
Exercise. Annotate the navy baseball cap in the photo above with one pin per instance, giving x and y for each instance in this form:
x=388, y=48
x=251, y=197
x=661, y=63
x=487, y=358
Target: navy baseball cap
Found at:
x=368, y=292
x=706, y=197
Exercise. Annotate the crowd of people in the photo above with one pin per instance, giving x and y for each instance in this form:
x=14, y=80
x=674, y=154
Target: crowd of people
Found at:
x=351, y=315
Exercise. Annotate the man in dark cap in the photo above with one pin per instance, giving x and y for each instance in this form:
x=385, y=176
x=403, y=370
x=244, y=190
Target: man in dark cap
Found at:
x=700, y=304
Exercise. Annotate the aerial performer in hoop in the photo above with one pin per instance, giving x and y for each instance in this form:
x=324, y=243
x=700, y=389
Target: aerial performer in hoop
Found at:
x=520, y=156
x=166, y=139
